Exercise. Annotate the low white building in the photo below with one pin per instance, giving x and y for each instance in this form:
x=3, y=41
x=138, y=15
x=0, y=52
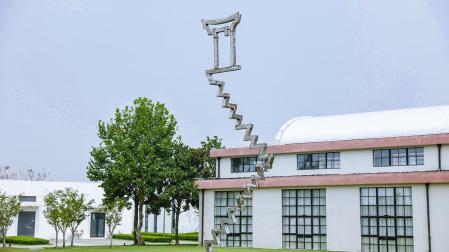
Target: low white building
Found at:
x=31, y=221
x=374, y=181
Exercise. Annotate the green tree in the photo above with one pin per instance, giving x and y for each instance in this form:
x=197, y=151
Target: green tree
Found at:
x=205, y=164
x=134, y=147
x=113, y=215
x=181, y=190
x=77, y=207
x=52, y=212
x=9, y=207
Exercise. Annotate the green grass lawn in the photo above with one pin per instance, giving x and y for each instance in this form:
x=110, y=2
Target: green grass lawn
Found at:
x=148, y=248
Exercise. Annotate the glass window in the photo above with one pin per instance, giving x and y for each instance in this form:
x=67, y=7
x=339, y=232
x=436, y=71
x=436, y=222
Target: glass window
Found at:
x=385, y=158
x=27, y=198
x=416, y=156
x=243, y=164
x=318, y=161
x=398, y=157
x=241, y=233
x=333, y=160
x=304, y=219
x=386, y=219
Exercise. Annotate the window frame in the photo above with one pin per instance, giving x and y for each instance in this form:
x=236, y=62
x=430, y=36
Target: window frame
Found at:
x=386, y=220
x=244, y=219
x=390, y=160
x=246, y=164
x=318, y=161
x=27, y=198
x=304, y=219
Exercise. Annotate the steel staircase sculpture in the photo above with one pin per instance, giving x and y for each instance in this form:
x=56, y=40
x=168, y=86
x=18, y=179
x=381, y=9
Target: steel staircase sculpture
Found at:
x=264, y=160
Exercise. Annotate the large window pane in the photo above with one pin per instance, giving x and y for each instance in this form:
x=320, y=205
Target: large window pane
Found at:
x=389, y=226
x=243, y=164
x=329, y=160
x=304, y=219
x=241, y=232
x=398, y=157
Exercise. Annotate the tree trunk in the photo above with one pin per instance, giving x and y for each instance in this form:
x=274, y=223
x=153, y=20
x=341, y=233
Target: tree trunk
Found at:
x=4, y=237
x=57, y=233
x=111, y=228
x=63, y=238
x=110, y=234
x=139, y=226
x=136, y=216
x=73, y=236
x=177, y=213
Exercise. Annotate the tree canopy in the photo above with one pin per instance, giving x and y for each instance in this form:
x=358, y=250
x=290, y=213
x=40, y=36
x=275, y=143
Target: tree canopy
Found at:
x=9, y=207
x=135, y=146
x=77, y=207
x=205, y=164
x=66, y=209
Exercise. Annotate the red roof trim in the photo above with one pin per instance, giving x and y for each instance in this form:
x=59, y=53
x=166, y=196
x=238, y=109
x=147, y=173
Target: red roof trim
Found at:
x=338, y=145
x=391, y=178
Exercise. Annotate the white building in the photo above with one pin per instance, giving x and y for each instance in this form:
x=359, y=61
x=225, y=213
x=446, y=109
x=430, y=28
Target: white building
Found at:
x=359, y=182
x=31, y=221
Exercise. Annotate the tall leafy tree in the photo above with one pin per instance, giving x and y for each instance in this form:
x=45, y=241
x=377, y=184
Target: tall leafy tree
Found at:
x=181, y=190
x=9, y=207
x=134, y=147
x=113, y=215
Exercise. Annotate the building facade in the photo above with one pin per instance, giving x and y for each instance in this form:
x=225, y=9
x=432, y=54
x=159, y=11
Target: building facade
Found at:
x=31, y=221
x=374, y=181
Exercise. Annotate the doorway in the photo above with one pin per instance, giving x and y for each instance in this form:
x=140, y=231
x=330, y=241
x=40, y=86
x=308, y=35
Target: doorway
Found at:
x=97, y=225
x=26, y=223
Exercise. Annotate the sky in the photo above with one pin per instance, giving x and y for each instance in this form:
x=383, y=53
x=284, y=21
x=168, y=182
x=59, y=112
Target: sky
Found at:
x=66, y=64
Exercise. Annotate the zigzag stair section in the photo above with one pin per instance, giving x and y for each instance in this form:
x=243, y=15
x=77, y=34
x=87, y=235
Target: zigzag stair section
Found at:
x=264, y=163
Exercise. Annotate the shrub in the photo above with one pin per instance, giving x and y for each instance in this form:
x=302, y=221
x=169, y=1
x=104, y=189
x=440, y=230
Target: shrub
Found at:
x=184, y=236
x=148, y=238
x=159, y=234
x=156, y=238
x=189, y=236
x=25, y=240
x=123, y=236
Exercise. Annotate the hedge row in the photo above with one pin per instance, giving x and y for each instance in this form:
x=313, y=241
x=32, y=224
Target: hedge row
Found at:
x=26, y=240
x=147, y=238
x=184, y=236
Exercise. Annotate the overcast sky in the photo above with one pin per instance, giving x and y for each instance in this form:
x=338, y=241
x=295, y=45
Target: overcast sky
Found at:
x=65, y=64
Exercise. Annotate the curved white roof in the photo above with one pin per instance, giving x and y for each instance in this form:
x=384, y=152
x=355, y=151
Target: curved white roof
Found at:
x=390, y=123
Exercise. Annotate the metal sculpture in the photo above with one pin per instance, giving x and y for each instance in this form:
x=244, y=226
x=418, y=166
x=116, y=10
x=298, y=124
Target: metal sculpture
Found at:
x=264, y=160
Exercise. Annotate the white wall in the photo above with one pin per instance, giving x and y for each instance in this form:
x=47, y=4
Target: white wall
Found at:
x=351, y=161
x=267, y=218
x=188, y=220
x=343, y=217
x=445, y=157
x=209, y=198
x=439, y=220
x=420, y=218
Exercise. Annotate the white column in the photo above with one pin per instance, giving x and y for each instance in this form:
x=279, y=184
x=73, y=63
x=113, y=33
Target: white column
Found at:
x=208, y=214
x=419, y=218
x=439, y=217
x=267, y=218
x=343, y=218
